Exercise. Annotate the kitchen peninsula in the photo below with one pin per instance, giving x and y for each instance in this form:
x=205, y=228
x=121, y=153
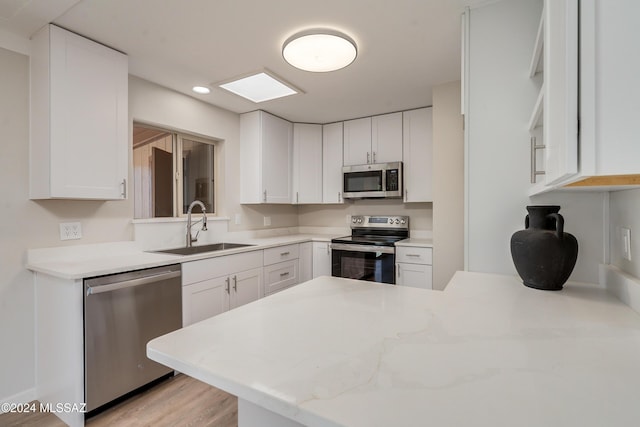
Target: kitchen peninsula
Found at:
x=486, y=351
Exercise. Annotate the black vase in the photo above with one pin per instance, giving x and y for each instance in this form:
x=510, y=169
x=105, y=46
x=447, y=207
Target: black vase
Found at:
x=544, y=255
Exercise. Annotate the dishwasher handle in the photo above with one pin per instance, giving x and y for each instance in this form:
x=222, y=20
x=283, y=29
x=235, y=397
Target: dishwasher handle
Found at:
x=91, y=290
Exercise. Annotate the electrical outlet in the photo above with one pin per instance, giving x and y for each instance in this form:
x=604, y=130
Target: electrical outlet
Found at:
x=70, y=231
x=267, y=221
x=238, y=219
x=626, y=243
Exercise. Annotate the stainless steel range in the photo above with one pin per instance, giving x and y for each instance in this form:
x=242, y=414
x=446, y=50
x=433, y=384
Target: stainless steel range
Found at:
x=369, y=252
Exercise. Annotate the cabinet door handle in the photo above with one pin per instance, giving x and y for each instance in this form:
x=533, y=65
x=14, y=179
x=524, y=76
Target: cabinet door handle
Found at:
x=339, y=196
x=374, y=157
x=124, y=188
x=235, y=283
x=406, y=194
x=297, y=197
x=264, y=196
x=328, y=249
x=398, y=269
x=534, y=167
x=368, y=157
x=284, y=253
x=414, y=255
x=227, y=287
x=286, y=273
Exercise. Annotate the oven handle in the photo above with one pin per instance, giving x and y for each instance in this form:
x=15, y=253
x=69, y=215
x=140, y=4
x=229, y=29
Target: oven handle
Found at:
x=363, y=248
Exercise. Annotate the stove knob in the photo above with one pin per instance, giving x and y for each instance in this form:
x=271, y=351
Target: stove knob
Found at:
x=354, y=220
x=390, y=221
x=359, y=220
x=397, y=221
x=403, y=221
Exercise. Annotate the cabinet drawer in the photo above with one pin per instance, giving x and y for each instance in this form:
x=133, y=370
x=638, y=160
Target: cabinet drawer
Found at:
x=197, y=271
x=414, y=255
x=280, y=254
x=280, y=276
x=414, y=275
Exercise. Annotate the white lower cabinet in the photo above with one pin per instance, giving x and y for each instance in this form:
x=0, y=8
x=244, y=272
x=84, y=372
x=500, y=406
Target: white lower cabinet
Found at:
x=281, y=268
x=280, y=276
x=305, y=262
x=321, y=259
x=414, y=267
x=204, y=299
x=215, y=285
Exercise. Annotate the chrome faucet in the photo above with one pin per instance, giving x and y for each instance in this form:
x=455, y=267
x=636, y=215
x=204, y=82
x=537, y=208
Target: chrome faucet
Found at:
x=190, y=238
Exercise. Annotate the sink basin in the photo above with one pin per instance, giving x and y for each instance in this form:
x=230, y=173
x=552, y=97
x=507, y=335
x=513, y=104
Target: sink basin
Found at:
x=204, y=248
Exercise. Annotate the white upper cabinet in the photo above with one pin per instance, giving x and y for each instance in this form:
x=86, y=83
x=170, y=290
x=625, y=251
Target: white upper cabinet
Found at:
x=417, y=154
x=598, y=150
x=357, y=142
x=609, y=93
x=79, y=118
x=386, y=138
x=332, y=163
x=266, y=147
x=376, y=139
x=560, y=99
x=307, y=163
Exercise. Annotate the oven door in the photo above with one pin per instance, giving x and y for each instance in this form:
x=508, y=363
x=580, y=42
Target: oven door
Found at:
x=363, y=262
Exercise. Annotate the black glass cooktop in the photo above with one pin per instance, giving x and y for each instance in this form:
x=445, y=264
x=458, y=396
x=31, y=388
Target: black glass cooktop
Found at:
x=368, y=240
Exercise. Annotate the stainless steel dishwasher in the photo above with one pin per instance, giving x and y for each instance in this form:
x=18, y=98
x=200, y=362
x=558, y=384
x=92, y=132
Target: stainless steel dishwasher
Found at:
x=122, y=312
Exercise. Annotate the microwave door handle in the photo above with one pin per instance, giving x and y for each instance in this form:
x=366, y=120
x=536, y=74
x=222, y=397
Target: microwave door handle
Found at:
x=384, y=181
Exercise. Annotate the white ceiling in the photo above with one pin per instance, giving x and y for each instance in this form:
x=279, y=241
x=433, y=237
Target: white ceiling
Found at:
x=405, y=47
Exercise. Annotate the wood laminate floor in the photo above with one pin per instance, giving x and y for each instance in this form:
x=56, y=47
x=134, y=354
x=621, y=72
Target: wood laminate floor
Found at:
x=178, y=401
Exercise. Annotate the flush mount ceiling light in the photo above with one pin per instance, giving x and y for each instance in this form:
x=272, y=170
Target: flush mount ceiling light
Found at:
x=319, y=50
x=201, y=90
x=259, y=87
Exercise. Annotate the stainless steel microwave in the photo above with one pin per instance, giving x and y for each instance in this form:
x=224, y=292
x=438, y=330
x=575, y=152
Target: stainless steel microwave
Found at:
x=377, y=180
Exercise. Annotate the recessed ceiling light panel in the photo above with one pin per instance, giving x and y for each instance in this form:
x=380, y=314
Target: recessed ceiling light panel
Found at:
x=319, y=50
x=259, y=87
x=201, y=90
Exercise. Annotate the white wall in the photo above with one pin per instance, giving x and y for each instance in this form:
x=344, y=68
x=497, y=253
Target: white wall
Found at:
x=448, y=184
x=501, y=97
x=625, y=212
x=421, y=214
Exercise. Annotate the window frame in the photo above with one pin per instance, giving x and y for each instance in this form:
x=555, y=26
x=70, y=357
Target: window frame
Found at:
x=177, y=168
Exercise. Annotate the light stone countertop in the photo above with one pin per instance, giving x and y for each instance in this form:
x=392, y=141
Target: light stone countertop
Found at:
x=82, y=261
x=416, y=243
x=487, y=351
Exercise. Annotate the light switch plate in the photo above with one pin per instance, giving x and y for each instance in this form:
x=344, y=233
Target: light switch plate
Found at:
x=238, y=219
x=267, y=221
x=70, y=231
x=626, y=243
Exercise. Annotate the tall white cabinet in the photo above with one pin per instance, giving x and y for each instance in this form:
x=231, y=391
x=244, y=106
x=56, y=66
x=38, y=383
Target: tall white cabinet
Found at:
x=417, y=154
x=266, y=149
x=79, y=118
x=307, y=163
x=332, y=163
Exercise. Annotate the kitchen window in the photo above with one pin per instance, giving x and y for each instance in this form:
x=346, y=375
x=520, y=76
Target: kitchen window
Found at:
x=170, y=170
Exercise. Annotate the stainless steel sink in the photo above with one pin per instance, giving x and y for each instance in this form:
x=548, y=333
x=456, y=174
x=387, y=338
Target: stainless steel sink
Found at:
x=204, y=248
